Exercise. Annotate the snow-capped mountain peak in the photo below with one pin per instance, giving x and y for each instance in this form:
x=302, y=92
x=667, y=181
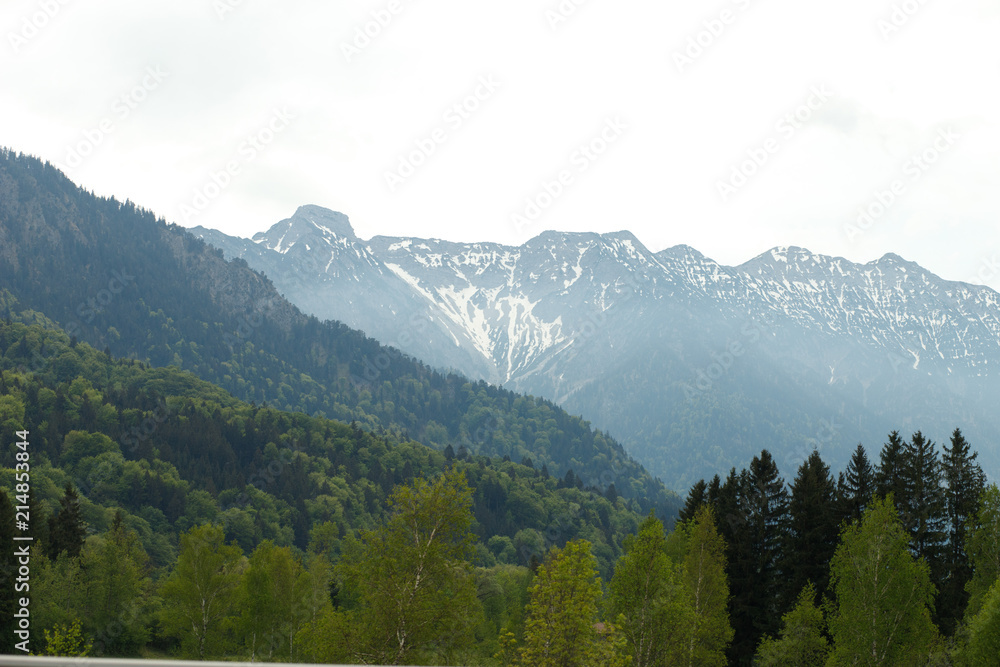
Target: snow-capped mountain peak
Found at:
x=310, y=225
x=610, y=329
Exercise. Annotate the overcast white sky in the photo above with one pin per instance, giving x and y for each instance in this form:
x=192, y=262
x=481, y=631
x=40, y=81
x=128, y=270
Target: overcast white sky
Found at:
x=146, y=100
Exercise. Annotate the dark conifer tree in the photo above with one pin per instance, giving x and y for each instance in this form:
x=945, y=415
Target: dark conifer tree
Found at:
x=922, y=505
x=732, y=523
x=117, y=523
x=696, y=498
x=67, y=530
x=756, y=577
x=729, y=515
x=612, y=493
x=965, y=481
x=712, y=493
x=812, y=531
x=888, y=473
x=857, y=486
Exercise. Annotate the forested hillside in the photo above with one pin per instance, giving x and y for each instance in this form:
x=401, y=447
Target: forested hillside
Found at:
x=112, y=275
x=153, y=493
x=156, y=452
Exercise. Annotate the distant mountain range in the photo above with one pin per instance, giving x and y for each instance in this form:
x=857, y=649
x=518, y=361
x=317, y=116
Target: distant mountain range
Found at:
x=693, y=365
x=113, y=275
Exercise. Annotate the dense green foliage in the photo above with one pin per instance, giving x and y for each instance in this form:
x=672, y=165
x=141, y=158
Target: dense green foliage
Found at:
x=884, y=594
x=415, y=591
x=169, y=452
x=802, y=641
x=201, y=591
x=983, y=646
x=781, y=540
x=648, y=595
x=416, y=580
x=983, y=548
x=669, y=594
x=562, y=628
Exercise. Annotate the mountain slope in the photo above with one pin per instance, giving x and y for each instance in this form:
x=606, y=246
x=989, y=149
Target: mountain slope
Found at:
x=317, y=243
x=172, y=451
x=111, y=274
x=696, y=366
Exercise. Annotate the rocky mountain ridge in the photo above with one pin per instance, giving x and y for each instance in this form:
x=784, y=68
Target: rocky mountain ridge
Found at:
x=571, y=316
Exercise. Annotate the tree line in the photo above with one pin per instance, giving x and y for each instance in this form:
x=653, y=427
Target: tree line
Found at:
x=921, y=506
x=409, y=590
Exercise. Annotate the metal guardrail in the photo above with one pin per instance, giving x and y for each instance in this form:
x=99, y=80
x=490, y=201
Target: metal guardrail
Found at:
x=45, y=661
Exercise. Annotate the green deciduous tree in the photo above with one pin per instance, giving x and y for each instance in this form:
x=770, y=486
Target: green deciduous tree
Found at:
x=411, y=577
x=332, y=637
x=983, y=547
x=983, y=647
x=310, y=596
x=704, y=566
x=884, y=595
x=201, y=591
x=562, y=629
x=802, y=642
x=58, y=590
x=118, y=588
x=67, y=641
x=503, y=590
x=266, y=599
x=650, y=599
